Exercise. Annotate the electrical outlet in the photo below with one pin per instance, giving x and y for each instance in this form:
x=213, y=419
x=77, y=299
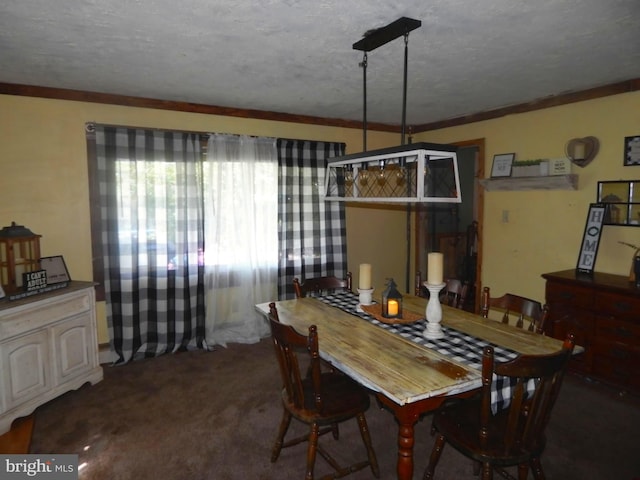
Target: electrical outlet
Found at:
x=505, y=216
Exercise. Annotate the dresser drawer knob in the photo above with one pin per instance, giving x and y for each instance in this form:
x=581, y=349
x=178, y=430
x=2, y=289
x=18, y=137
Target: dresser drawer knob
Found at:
x=622, y=306
x=620, y=374
x=619, y=354
x=622, y=332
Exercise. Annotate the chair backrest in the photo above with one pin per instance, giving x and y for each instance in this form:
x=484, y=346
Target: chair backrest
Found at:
x=523, y=422
x=291, y=348
x=454, y=293
x=321, y=285
x=524, y=309
x=420, y=289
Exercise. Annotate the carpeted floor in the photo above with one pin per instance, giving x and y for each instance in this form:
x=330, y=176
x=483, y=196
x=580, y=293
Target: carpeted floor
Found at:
x=214, y=415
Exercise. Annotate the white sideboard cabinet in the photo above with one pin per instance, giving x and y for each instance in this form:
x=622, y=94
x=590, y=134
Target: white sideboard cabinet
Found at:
x=48, y=346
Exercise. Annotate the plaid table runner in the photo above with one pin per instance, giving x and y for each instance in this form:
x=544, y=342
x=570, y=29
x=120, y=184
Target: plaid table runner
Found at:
x=456, y=345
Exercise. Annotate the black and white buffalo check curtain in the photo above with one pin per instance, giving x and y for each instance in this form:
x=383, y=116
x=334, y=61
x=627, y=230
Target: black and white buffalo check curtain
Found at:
x=151, y=234
x=312, y=232
x=150, y=185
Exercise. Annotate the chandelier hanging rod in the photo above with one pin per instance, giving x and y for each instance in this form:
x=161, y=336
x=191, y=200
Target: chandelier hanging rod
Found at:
x=374, y=39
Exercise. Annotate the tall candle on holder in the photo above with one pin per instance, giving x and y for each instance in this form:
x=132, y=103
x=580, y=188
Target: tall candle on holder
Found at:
x=365, y=276
x=434, y=268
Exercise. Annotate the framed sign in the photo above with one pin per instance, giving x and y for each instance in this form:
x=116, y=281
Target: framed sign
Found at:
x=34, y=281
x=591, y=238
x=631, y=151
x=559, y=166
x=502, y=165
x=56, y=269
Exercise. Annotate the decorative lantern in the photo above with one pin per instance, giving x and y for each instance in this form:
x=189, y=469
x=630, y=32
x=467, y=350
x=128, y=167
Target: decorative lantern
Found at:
x=391, y=301
x=19, y=254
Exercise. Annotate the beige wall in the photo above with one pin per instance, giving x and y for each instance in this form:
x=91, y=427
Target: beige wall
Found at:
x=43, y=184
x=545, y=227
x=43, y=169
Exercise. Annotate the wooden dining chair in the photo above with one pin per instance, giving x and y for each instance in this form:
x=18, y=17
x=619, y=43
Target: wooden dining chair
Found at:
x=453, y=294
x=514, y=435
x=522, y=308
x=321, y=285
x=319, y=399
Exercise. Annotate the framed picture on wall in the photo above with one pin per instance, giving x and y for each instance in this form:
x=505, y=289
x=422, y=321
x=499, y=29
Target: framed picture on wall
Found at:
x=632, y=151
x=502, y=164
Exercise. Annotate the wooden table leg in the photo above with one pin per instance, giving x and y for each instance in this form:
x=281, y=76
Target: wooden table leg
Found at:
x=407, y=415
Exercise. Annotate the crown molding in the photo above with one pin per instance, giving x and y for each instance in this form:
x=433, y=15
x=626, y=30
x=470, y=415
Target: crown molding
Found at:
x=141, y=102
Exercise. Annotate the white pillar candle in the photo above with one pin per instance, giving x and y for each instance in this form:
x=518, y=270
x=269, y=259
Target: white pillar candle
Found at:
x=434, y=268
x=365, y=276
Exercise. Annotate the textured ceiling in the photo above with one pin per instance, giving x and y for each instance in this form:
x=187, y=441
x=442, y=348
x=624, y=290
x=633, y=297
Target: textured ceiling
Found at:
x=296, y=56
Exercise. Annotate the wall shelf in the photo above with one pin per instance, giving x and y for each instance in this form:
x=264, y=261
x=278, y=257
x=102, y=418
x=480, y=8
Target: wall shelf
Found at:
x=552, y=182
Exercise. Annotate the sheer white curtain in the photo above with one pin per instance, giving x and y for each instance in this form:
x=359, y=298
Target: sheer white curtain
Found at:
x=241, y=236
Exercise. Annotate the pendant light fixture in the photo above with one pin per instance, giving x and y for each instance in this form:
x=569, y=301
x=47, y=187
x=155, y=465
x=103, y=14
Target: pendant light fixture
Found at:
x=408, y=173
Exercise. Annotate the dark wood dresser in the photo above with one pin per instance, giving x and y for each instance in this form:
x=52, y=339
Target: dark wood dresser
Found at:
x=603, y=312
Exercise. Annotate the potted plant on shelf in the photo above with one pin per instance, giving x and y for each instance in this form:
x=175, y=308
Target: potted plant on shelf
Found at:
x=530, y=168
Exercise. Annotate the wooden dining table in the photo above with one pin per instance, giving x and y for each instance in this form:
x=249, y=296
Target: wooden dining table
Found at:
x=408, y=378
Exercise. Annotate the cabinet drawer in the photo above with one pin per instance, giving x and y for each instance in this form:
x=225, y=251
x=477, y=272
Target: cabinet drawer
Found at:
x=622, y=307
x=617, y=352
x=619, y=366
x=569, y=295
x=618, y=331
x=29, y=317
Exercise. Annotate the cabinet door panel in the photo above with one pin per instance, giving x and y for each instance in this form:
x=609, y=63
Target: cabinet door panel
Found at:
x=73, y=348
x=25, y=368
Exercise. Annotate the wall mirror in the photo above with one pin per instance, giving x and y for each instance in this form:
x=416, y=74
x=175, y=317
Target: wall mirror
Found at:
x=622, y=202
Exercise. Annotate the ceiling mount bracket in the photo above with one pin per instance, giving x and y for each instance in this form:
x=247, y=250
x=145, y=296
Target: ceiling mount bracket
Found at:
x=383, y=35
